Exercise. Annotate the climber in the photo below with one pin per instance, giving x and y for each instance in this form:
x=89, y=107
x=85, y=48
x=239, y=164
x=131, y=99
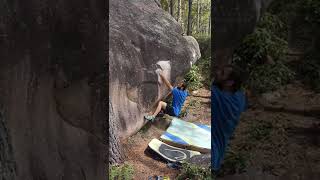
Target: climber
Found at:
x=228, y=101
x=179, y=94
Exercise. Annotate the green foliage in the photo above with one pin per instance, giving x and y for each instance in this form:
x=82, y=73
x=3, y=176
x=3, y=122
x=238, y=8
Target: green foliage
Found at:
x=273, y=24
x=194, y=103
x=204, y=42
x=306, y=14
x=269, y=77
x=255, y=134
x=204, y=63
x=193, y=77
x=310, y=70
x=260, y=130
x=144, y=129
x=281, y=6
x=122, y=172
x=183, y=113
x=194, y=172
x=234, y=162
x=255, y=48
x=309, y=13
x=199, y=74
x=310, y=9
x=164, y=4
x=252, y=55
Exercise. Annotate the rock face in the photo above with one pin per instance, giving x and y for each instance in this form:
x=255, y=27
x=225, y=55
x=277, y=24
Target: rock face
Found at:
x=233, y=20
x=142, y=40
x=53, y=121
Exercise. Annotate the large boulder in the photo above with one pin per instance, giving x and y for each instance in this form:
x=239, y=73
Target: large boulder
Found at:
x=233, y=20
x=143, y=39
x=53, y=91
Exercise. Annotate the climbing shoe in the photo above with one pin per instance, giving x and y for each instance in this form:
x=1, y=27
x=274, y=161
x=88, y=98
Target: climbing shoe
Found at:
x=175, y=165
x=149, y=118
x=158, y=178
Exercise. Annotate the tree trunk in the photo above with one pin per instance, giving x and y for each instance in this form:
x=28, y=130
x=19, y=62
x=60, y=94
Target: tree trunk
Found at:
x=115, y=150
x=189, y=28
x=209, y=27
x=7, y=165
x=201, y=24
x=198, y=16
x=171, y=8
x=179, y=12
x=182, y=15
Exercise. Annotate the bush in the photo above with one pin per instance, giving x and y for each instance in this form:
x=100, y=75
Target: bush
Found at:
x=260, y=130
x=204, y=65
x=255, y=48
x=310, y=70
x=122, y=172
x=194, y=78
x=204, y=45
x=234, y=162
x=274, y=25
x=310, y=9
x=194, y=172
x=164, y=5
x=269, y=77
x=266, y=41
x=199, y=75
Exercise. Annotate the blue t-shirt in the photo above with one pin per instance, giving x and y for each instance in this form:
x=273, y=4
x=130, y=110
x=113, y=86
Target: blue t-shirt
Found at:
x=179, y=96
x=226, y=108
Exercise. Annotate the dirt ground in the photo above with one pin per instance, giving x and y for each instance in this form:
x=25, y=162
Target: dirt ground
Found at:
x=198, y=110
x=279, y=145
x=272, y=144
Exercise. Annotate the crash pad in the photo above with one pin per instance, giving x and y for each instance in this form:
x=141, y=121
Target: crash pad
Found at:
x=203, y=160
x=171, y=153
x=188, y=135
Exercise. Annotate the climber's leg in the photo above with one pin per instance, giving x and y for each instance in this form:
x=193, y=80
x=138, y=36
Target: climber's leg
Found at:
x=161, y=105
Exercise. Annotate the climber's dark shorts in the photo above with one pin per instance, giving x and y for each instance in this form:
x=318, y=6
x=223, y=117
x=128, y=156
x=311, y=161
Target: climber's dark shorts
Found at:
x=169, y=110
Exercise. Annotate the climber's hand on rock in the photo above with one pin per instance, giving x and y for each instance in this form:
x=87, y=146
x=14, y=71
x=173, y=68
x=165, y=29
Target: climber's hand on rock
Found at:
x=161, y=73
x=165, y=80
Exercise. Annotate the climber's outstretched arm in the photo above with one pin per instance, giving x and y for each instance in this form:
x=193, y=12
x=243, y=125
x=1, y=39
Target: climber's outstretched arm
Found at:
x=166, y=81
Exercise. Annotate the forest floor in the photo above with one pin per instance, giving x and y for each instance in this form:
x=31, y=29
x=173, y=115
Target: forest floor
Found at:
x=198, y=109
x=268, y=143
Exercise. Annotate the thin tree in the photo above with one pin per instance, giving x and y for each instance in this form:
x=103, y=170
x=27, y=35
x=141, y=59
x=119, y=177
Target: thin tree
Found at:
x=189, y=28
x=171, y=8
x=209, y=28
x=179, y=11
x=198, y=16
x=184, y=17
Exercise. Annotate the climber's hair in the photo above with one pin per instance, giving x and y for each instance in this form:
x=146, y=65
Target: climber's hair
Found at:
x=237, y=75
x=184, y=85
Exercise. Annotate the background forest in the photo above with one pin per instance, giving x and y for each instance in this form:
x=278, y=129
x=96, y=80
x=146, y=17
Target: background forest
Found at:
x=278, y=136
x=193, y=15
